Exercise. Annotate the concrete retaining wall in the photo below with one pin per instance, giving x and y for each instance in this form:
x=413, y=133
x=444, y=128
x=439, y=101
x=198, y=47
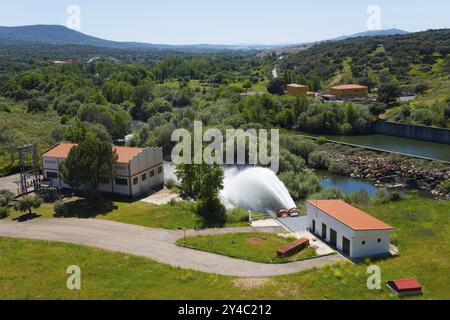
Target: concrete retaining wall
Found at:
x=438, y=135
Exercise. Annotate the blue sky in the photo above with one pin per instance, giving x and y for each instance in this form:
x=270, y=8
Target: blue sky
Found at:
x=227, y=21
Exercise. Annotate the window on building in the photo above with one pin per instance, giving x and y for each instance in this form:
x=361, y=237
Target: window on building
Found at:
x=121, y=182
x=160, y=169
x=135, y=181
x=144, y=177
x=379, y=240
x=363, y=243
x=152, y=173
x=103, y=180
x=52, y=175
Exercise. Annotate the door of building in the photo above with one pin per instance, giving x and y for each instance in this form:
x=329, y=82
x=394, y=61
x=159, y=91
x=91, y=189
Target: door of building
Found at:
x=346, y=246
x=333, y=238
x=324, y=231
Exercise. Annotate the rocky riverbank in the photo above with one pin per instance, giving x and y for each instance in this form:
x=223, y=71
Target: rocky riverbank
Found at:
x=399, y=173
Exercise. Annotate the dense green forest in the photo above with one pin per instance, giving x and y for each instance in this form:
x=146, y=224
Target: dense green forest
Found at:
x=116, y=92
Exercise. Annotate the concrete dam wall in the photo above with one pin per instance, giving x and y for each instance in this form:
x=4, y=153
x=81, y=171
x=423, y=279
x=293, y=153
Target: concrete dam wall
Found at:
x=431, y=134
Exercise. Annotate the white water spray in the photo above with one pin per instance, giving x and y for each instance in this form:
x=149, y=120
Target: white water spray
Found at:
x=255, y=188
x=252, y=188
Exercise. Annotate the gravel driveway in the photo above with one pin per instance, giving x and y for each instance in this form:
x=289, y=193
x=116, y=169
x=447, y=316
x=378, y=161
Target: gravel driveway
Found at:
x=156, y=244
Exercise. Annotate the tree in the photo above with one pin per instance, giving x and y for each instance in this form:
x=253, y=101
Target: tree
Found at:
x=276, y=86
x=319, y=160
x=314, y=84
x=389, y=92
x=28, y=203
x=88, y=162
x=77, y=131
x=6, y=197
x=204, y=182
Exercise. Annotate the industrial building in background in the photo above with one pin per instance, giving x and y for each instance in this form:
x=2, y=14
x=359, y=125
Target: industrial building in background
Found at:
x=350, y=91
x=296, y=90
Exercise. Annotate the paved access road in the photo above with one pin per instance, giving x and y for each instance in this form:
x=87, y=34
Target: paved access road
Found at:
x=156, y=244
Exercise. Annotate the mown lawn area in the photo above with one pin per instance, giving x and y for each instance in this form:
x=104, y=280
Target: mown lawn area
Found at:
x=37, y=269
x=170, y=216
x=258, y=247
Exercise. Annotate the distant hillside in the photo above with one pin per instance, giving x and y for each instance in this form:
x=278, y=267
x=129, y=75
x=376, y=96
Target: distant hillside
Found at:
x=373, y=33
x=60, y=35
x=372, y=57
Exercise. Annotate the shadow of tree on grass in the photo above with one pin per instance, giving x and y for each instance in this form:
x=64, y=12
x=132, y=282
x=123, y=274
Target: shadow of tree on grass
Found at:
x=80, y=208
x=27, y=217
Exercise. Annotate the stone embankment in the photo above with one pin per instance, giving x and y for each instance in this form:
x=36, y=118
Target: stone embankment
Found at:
x=401, y=173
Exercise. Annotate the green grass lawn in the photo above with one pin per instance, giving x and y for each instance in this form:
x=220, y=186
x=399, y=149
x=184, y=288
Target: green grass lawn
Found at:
x=36, y=269
x=176, y=216
x=258, y=247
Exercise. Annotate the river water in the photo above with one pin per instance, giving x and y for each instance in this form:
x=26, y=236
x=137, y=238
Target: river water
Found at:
x=414, y=147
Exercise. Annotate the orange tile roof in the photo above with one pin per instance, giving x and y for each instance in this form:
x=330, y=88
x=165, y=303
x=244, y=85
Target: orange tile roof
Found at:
x=125, y=154
x=349, y=87
x=352, y=217
x=295, y=85
x=60, y=150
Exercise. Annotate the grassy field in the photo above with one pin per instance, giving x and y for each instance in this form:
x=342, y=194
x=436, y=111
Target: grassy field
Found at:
x=176, y=216
x=258, y=247
x=36, y=269
x=17, y=128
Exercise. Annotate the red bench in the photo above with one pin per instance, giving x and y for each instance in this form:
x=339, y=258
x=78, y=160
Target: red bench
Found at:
x=293, y=247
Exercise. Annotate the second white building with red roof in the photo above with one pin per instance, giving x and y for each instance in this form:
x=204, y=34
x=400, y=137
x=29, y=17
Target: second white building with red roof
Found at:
x=348, y=229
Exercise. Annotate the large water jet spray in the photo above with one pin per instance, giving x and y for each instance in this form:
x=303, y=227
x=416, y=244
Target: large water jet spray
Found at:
x=255, y=188
x=252, y=188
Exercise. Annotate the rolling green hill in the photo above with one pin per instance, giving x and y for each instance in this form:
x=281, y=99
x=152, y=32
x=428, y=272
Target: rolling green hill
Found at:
x=418, y=63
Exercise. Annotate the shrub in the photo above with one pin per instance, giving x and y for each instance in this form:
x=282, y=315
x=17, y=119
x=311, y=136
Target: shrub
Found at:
x=300, y=184
x=321, y=140
x=237, y=215
x=60, y=209
x=3, y=212
x=170, y=183
x=212, y=211
x=302, y=148
x=394, y=196
x=319, y=160
x=6, y=197
x=358, y=198
x=421, y=88
x=445, y=186
x=28, y=203
x=290, y=162
x=328, y=194
x=382, y=197
x=339, y=168
x=395, y=158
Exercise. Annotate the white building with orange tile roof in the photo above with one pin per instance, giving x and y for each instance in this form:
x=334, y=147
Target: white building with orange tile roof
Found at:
x=349, y=229
x=137, y=171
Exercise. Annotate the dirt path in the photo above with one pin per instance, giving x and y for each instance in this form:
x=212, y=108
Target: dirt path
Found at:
x=156, y=244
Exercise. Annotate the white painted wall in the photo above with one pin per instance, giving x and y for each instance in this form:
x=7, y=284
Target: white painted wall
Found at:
x=357, y=249
x=150, y=159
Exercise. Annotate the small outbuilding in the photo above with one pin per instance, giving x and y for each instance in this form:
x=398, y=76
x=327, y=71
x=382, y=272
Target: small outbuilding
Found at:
x=349, y=229
x=350, y=91
x=296, y=90
x=405, y=287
